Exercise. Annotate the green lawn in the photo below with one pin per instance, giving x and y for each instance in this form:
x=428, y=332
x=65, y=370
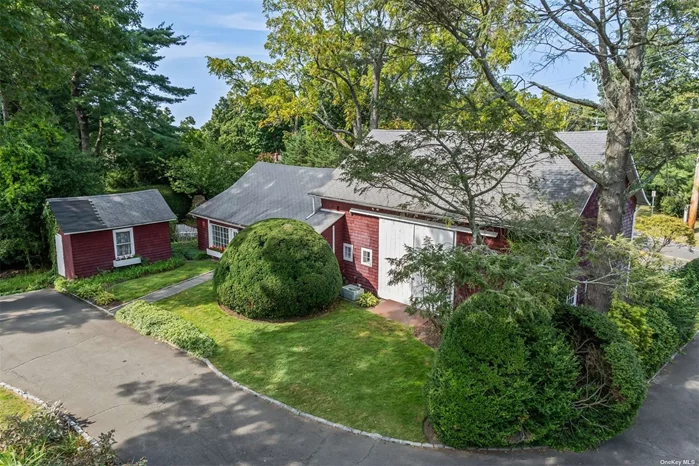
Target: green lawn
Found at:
x=12, y=405
x=28, y=281
x=137, y=287
x=349, y=366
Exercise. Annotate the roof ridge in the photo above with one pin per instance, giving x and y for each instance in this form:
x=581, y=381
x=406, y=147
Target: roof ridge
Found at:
x=91, y=196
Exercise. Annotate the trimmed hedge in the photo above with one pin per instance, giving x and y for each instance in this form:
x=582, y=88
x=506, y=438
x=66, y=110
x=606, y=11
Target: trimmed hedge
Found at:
x=148, y=319
x=611, y=384
x=277, y=269
x=497, y=382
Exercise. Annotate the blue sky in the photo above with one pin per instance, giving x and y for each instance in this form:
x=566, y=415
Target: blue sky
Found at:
x=228, y=28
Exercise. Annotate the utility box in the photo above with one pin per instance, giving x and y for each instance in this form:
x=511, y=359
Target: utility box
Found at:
x=351, y=292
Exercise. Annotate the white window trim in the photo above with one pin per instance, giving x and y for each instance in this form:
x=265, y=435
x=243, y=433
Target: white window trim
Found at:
x=231, y=233
x=371, y=257
x=114, y=241
x=572, y=298
x=344, y=252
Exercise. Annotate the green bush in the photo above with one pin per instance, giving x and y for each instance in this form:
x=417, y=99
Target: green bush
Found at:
x=277, y=269
x=94, y=288
x=649, y=331
x=611, y=385
x=498, y=382
x=665, y=341
x=189, y=250
x=683, y=311
x=367, y=299
x=631, y=322
x=151, y=320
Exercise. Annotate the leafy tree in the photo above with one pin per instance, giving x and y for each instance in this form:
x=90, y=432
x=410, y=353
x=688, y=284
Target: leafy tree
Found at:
x=615, y=35
x=208, y=169
x=663, y=229
x=309, y=147
x=239, y=125
x=333, y=59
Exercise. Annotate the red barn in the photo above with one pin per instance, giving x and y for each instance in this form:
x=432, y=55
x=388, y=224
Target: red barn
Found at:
x=366, y=229
x=97, y=233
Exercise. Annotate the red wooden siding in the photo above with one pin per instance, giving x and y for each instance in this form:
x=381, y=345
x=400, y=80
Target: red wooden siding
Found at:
x=202, y=233
x=91, y=253
x=591, y=211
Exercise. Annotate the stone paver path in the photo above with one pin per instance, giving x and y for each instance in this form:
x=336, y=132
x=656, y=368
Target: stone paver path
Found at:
x=178, y=287
x=393, y=310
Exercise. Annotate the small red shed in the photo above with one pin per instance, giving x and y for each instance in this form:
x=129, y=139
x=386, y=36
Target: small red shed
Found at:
x=97, y=233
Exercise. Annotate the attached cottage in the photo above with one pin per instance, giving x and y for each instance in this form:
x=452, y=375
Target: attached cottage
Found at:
x=97, y=233
x=365, y=230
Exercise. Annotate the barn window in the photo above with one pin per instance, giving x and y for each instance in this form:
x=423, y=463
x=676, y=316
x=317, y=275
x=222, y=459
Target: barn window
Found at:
x=123, y=243
x=347, y=252
x=366, y=257
x=221, y=236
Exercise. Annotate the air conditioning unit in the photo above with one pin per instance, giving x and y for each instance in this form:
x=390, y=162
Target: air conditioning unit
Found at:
x=351, y=292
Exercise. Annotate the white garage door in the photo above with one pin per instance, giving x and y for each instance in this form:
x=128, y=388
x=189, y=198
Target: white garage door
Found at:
x=393, y=237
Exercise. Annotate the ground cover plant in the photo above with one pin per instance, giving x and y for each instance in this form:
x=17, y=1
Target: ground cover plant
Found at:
x=149, y=319
x=26, y=281
x=349, y=366
x=278, y=269
x=45, y=438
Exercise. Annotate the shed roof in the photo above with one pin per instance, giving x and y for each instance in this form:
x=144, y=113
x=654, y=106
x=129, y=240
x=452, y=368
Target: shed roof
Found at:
x=270, y=190
x=558, y=179
x=110, y=211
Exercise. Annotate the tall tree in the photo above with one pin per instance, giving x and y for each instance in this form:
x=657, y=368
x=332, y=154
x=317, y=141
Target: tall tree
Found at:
x=614, y=34
x=331, y=54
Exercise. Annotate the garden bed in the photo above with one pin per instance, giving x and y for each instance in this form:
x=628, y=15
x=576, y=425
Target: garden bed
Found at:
x=12, y=405
x=348, y=366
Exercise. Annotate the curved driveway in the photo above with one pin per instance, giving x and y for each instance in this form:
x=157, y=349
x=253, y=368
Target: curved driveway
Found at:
x=171, y=409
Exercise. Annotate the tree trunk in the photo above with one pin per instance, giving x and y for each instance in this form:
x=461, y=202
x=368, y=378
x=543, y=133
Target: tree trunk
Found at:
x=80, y=114
x=694, y=202
x=5, y=103
x=98, y=140
x=376, y=85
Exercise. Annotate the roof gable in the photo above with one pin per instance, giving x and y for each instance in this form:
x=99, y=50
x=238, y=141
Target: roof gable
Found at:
x=110, y=211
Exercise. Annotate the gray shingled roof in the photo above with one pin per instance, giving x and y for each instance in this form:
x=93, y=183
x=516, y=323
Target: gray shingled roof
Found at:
x=559, y=180
x=110, y=211
x=270, y=190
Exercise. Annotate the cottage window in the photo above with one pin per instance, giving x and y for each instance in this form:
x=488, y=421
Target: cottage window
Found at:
x=366, y=257
x=123, y=243
x=347, y=252
x=221, y=236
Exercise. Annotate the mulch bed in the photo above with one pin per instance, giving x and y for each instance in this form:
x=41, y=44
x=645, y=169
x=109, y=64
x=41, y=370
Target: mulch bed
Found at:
x=428, y=334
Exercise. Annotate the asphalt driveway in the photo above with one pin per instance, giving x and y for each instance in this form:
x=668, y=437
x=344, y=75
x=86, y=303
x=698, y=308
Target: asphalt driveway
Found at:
x=171, y=409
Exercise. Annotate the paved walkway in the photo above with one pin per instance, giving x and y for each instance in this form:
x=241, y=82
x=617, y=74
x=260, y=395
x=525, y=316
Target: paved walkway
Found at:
x=171, y=409
x=396, y=311
x=681, y=252
x=178, y=288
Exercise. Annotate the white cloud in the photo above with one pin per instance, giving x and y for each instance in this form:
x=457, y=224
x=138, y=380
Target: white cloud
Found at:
x=201, y=48
x=241, y=20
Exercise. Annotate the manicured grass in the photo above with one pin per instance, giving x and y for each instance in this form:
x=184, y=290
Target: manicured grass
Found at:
x=348, y=366
x=12, y=405
x=28, y=281
x=137, y=287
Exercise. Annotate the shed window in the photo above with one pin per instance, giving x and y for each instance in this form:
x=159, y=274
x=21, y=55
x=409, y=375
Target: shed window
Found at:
x=123, y=243
x=572, y=298
x=221, y=236
x=366, y=256
x=347, y=252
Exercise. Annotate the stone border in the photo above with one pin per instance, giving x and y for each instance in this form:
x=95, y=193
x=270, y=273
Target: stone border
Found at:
x=42, y=404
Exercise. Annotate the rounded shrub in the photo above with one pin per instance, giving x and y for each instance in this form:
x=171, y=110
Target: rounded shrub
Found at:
x=497, y=381
x=277, y=269
x=611, y=386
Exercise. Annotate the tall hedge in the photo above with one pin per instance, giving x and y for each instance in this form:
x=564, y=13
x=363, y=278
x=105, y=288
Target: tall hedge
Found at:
x=611, y=385
x=497, y=381
x=277, y=269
